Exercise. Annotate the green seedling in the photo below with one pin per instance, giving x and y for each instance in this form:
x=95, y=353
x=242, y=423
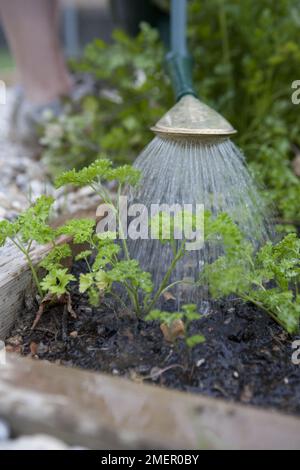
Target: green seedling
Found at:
x=268, y=278
x=177, y=324
x=31, y=227
x=109, y=268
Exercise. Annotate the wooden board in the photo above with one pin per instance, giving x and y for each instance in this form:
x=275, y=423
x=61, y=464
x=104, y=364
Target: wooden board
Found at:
x=102, y=412
x=15, y=284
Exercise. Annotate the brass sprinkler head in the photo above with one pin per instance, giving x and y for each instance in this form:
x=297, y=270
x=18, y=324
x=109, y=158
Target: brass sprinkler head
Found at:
x=192, y=118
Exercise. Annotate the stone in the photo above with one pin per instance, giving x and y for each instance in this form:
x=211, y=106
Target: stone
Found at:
x=37, y=442
x=4, y=431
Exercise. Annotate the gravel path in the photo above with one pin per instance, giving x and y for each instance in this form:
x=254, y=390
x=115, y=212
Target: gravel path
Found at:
x=20, y=175
x=23, y=178
x=33, y=442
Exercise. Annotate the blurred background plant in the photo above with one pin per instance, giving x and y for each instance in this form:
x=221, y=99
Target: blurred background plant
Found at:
x=131, y=93
x=246, y=54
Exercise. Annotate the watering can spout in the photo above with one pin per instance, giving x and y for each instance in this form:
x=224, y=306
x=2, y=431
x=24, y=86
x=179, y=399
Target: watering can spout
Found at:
x=191, y=117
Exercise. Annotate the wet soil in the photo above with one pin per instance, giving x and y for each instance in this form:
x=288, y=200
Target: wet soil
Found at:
x=246, y=357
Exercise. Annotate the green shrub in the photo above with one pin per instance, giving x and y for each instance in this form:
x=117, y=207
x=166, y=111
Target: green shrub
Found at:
x=117, y=120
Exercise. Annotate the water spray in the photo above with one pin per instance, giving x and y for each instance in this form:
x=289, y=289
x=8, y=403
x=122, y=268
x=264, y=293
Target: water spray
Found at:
x=192, y=160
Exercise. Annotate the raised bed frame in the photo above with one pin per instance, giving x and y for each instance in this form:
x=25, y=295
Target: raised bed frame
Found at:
x=102, y=412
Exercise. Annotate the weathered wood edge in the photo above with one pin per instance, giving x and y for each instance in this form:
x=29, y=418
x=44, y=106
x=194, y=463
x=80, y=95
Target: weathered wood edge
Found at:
x=102, y=412
x=16, y=283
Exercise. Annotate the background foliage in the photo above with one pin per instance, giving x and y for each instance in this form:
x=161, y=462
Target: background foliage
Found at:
x=247, y=55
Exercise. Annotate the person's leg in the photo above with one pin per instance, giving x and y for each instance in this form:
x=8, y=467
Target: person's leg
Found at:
x=31, y=28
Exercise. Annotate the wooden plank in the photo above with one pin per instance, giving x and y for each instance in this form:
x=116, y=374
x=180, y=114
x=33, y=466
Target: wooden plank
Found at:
x=15, y=284
x=103, y=412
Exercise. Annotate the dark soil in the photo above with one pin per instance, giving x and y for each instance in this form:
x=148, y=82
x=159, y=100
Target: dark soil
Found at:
x=246, y=356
